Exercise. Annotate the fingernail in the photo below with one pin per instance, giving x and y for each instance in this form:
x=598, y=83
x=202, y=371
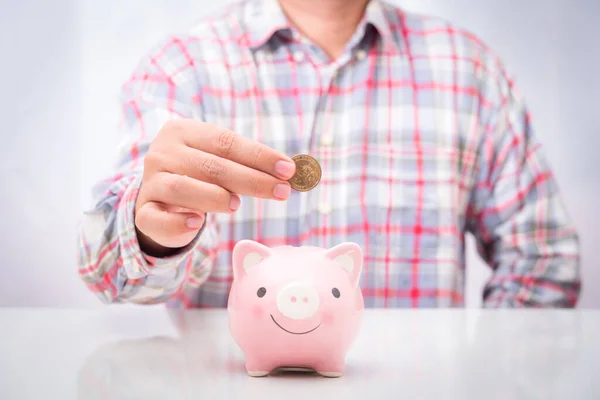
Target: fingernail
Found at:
x=234, y=203
x=282, y=191
x=194, y=222
x=285, y=169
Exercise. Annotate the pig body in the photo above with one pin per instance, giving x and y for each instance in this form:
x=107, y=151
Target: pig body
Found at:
x=295, y=306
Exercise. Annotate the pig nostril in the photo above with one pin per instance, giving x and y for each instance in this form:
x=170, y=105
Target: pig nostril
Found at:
x=298, y=301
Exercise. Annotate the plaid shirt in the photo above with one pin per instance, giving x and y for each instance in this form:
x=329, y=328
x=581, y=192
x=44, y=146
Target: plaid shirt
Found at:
x=421, y=137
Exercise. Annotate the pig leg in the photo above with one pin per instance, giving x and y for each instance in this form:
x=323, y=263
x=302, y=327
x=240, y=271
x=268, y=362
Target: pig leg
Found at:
x=331, y=368
x=257, y=368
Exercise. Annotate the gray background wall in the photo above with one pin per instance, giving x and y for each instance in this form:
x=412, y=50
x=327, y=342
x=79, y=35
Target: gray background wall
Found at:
x=62, y=63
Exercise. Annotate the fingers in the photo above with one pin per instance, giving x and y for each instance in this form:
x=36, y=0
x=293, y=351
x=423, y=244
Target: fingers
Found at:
x=230, y=175
x=168, y=229
x=237, y=148
x=189, y=193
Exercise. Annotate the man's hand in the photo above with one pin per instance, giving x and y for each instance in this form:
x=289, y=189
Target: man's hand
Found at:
x=193, y=168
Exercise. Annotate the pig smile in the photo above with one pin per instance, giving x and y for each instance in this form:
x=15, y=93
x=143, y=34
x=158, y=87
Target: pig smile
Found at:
x=294, y=333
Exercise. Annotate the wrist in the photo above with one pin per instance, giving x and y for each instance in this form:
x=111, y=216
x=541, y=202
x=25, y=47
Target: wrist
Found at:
x=154, y=249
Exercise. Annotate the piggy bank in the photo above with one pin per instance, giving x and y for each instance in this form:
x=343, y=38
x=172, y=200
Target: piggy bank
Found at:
x=295, y=307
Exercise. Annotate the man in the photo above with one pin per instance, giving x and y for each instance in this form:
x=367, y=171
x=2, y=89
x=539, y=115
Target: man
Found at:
x=420, y=134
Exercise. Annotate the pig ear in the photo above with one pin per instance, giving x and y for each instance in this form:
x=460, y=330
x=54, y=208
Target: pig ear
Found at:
x=246, y=254
x=349, y=257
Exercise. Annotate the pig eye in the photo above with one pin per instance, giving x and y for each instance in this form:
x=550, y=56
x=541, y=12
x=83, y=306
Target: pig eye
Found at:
x=336, y=293
x=261, y=292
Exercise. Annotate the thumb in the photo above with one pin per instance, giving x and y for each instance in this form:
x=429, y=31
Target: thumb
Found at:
x=167, y=228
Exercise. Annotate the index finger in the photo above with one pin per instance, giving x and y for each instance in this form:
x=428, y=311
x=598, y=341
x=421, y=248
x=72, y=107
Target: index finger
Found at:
x=227, y=144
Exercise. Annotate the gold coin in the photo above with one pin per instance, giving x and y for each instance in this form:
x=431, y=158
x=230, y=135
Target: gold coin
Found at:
x=308, y=173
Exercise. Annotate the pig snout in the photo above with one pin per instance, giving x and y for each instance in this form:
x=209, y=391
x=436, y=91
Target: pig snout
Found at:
x=298, y=301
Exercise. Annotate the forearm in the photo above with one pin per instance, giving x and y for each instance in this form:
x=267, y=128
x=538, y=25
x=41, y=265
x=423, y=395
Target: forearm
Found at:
x=526, y=236
x=536, y=267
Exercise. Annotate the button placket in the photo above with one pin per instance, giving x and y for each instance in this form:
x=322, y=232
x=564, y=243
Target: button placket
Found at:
x=306, y=201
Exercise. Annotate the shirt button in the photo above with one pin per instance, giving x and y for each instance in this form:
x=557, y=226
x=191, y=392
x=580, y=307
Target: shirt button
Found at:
x=299, y=56
x=324, y=208
x=326, y=140
x=361, y=54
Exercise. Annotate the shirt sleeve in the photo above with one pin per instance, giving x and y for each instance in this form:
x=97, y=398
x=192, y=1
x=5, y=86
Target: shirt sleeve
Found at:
x=162, y=87
x=517, y=215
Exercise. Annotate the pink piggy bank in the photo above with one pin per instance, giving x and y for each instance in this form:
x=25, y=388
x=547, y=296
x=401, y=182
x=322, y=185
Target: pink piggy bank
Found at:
x=295, y=307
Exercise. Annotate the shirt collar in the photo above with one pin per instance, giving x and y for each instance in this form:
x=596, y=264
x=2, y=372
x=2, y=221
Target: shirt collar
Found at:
x=265, y=18
x=375, y=14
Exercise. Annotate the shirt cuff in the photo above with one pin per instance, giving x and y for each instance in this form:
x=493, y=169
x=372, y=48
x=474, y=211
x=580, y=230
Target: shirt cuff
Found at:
x=136, y=263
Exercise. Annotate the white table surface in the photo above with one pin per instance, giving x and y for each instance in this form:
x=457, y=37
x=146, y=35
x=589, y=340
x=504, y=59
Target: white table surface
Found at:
x=152, y=353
